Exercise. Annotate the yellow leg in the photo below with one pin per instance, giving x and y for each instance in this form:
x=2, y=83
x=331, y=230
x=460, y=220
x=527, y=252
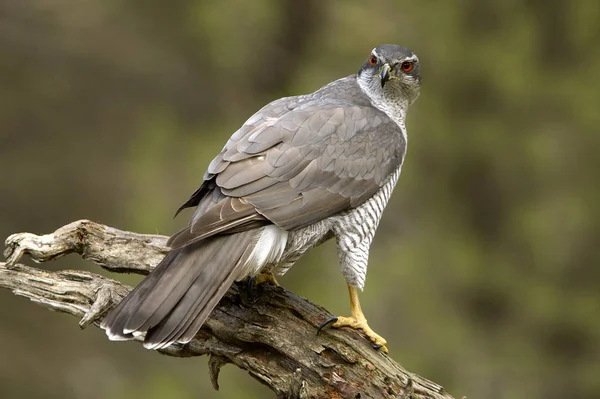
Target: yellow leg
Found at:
x=358, y=321
x=266, y=277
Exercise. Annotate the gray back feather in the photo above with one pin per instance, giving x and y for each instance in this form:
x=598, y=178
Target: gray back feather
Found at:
x=297, y=161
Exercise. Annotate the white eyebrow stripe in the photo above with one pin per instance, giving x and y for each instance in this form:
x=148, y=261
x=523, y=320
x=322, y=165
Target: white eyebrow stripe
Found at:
x=411, y=58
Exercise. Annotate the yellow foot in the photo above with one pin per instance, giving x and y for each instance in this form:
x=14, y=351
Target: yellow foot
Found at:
x=360, y=323
x=356, y=321
x=266, y=277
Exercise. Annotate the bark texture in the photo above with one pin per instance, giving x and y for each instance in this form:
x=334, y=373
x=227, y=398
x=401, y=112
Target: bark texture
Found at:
x=271, y=335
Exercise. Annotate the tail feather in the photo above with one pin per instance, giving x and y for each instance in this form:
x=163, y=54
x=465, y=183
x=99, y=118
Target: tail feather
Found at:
x=114, y=322
x=203, y=288
x=190, y=264
x=171, y=304
x=202, y=315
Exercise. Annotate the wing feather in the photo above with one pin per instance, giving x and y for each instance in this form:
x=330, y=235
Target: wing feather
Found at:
x=295, y=165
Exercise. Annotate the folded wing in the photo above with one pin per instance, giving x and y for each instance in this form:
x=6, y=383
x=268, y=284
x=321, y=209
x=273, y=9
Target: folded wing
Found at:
x=292, y=164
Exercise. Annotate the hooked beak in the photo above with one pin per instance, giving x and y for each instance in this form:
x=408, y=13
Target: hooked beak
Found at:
x=384, y=74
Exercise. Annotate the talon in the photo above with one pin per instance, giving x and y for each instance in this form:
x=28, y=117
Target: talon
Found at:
x=249, y=296
x=266, y=277
x=357, y=321
x=327, y=322
x=250, y=284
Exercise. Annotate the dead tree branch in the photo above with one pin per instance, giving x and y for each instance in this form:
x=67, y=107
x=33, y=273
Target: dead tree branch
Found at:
x=272, y=337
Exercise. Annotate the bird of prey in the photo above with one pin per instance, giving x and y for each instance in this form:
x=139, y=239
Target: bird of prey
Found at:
x=300, y=171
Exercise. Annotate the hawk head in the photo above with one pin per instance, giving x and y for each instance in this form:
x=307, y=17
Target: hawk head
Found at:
x=391, y=74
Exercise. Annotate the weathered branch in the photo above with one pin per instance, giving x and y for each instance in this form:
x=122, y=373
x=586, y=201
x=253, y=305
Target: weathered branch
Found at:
x=273, y=336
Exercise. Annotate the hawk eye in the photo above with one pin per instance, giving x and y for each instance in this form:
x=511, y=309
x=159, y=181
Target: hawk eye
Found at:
x=373, y=60
x=406, y=66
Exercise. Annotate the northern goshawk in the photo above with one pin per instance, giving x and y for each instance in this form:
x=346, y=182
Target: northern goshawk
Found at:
x=300, y=171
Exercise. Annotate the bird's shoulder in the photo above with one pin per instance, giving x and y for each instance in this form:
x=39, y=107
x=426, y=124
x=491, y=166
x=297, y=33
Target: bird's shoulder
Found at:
x=337, y=114
x=299, y=160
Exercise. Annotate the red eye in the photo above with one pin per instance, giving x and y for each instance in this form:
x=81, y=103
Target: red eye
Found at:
x=373, y=60
x=407, y=66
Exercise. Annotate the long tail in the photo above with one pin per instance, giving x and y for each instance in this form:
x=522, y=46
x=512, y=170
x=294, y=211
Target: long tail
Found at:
x=171, y=303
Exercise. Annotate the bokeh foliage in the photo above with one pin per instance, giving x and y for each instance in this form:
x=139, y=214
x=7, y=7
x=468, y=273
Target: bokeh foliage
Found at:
x=484, y=274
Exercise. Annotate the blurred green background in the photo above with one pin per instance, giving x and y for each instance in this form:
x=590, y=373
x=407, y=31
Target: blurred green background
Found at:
x=484, y=273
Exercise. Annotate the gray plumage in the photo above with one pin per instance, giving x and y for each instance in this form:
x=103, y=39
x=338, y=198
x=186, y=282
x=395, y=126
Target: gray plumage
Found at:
x=298, y=172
